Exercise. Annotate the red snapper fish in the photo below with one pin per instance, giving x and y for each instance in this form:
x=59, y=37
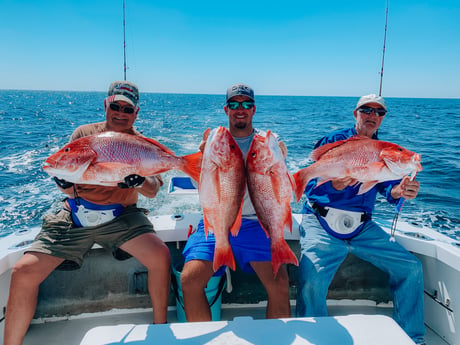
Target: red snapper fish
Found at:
x=367, y=160
x=270, y=188
x=221, y=190
x=107, y=158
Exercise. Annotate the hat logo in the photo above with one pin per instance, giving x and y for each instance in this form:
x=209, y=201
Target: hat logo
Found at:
x=121, y=87
x=240, y=88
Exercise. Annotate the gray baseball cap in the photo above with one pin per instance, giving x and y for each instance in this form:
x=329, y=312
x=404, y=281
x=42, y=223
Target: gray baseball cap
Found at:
x=240, y=90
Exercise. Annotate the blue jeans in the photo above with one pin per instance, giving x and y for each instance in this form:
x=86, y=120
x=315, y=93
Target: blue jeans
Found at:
x=322, y=254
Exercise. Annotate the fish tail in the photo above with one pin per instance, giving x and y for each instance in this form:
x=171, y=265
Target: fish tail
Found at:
x=301, y=179
x=282, y=254
x=223, y=255
x=192, y=166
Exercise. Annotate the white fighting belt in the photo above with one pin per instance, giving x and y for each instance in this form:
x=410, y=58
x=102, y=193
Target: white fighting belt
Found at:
x=89, y=217
x=342, y=222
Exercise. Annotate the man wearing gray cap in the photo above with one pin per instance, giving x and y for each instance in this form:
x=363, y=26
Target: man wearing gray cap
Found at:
x=251, y=247
x=338, y=221
x=94, y=214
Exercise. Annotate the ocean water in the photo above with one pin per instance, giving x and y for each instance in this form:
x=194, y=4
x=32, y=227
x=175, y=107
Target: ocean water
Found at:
x=35, y=124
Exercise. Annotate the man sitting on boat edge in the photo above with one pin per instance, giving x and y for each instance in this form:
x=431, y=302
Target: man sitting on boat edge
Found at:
x=325, y=246
x=251, y=247
x=122, y=228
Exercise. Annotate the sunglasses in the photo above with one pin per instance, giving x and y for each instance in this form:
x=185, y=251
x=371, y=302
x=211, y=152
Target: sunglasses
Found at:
x=245, y=104
x=127, y=109
x=369, y=110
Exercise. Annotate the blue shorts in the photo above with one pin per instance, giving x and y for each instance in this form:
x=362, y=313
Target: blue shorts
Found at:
x=251, y=244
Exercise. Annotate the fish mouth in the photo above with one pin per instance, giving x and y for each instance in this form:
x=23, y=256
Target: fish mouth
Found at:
x=401, y=168
x=68, y=174
x=417, y=161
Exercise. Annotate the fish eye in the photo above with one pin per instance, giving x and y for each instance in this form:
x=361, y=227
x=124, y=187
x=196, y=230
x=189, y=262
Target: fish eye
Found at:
x=253, y=154
x=400, y=149
x=67, y=149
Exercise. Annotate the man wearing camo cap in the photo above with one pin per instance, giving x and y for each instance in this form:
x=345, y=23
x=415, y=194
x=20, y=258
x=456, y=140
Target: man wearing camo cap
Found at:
x=94, y=214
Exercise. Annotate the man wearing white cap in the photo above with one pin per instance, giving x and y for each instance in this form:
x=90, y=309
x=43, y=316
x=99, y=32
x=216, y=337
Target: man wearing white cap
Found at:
x=326, y=242
x=94, y=214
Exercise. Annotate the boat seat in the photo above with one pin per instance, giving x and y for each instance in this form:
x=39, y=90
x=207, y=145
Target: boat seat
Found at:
x=343, y=330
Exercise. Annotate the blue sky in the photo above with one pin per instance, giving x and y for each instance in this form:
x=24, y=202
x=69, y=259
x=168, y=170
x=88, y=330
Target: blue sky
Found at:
x=311, y=48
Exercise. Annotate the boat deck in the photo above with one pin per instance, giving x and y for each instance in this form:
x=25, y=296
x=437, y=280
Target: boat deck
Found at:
x=73, y=329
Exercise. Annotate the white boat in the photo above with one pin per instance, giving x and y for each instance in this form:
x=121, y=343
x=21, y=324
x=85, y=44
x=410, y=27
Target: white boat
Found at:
x=106, y=302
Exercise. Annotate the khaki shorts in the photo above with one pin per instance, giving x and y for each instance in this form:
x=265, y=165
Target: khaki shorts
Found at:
x=60, y=238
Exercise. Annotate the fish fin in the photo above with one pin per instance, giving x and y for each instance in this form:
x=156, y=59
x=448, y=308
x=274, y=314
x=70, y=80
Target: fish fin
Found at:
x=366, y=186
x=161, y=146
x=292, y=181
x=109, y=166
x=206, y=225
x=282, y=254
x=237, y=224
x=301, y=179
x=223, y=255
x=206, y=134
x=267, y=137
x=288, y=220
x=323, y=181
x=192, y=166
x=267, y=233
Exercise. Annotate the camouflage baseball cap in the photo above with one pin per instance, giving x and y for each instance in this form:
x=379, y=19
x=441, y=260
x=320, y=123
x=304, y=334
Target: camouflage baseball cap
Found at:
x=124, y=91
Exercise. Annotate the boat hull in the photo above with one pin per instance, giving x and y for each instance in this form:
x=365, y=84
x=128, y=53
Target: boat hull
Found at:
x=67, y=293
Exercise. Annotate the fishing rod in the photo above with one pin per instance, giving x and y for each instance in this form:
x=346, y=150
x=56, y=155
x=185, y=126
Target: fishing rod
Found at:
x=383, y=53
x=401, y=200
x=124, y=41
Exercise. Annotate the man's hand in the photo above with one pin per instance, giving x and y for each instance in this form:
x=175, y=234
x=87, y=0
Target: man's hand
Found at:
x=132, y=181
x=62, y=183
x=342, y=183
x=407, y=189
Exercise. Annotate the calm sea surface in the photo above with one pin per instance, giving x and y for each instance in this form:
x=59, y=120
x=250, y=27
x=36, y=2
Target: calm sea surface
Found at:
x=35, y=124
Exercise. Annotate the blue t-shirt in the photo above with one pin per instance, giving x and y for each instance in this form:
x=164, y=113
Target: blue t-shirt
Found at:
x=348, y=198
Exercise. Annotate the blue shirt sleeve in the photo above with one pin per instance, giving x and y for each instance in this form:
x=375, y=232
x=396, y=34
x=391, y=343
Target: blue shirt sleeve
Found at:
x=385, y=188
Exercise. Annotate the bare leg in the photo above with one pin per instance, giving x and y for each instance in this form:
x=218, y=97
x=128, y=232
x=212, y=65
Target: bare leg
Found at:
x=194, y=278
x=26, y=277
x=150, y=250
x=278, y=305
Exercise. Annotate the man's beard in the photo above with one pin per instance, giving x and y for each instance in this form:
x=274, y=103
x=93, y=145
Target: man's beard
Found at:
x=241, y=125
